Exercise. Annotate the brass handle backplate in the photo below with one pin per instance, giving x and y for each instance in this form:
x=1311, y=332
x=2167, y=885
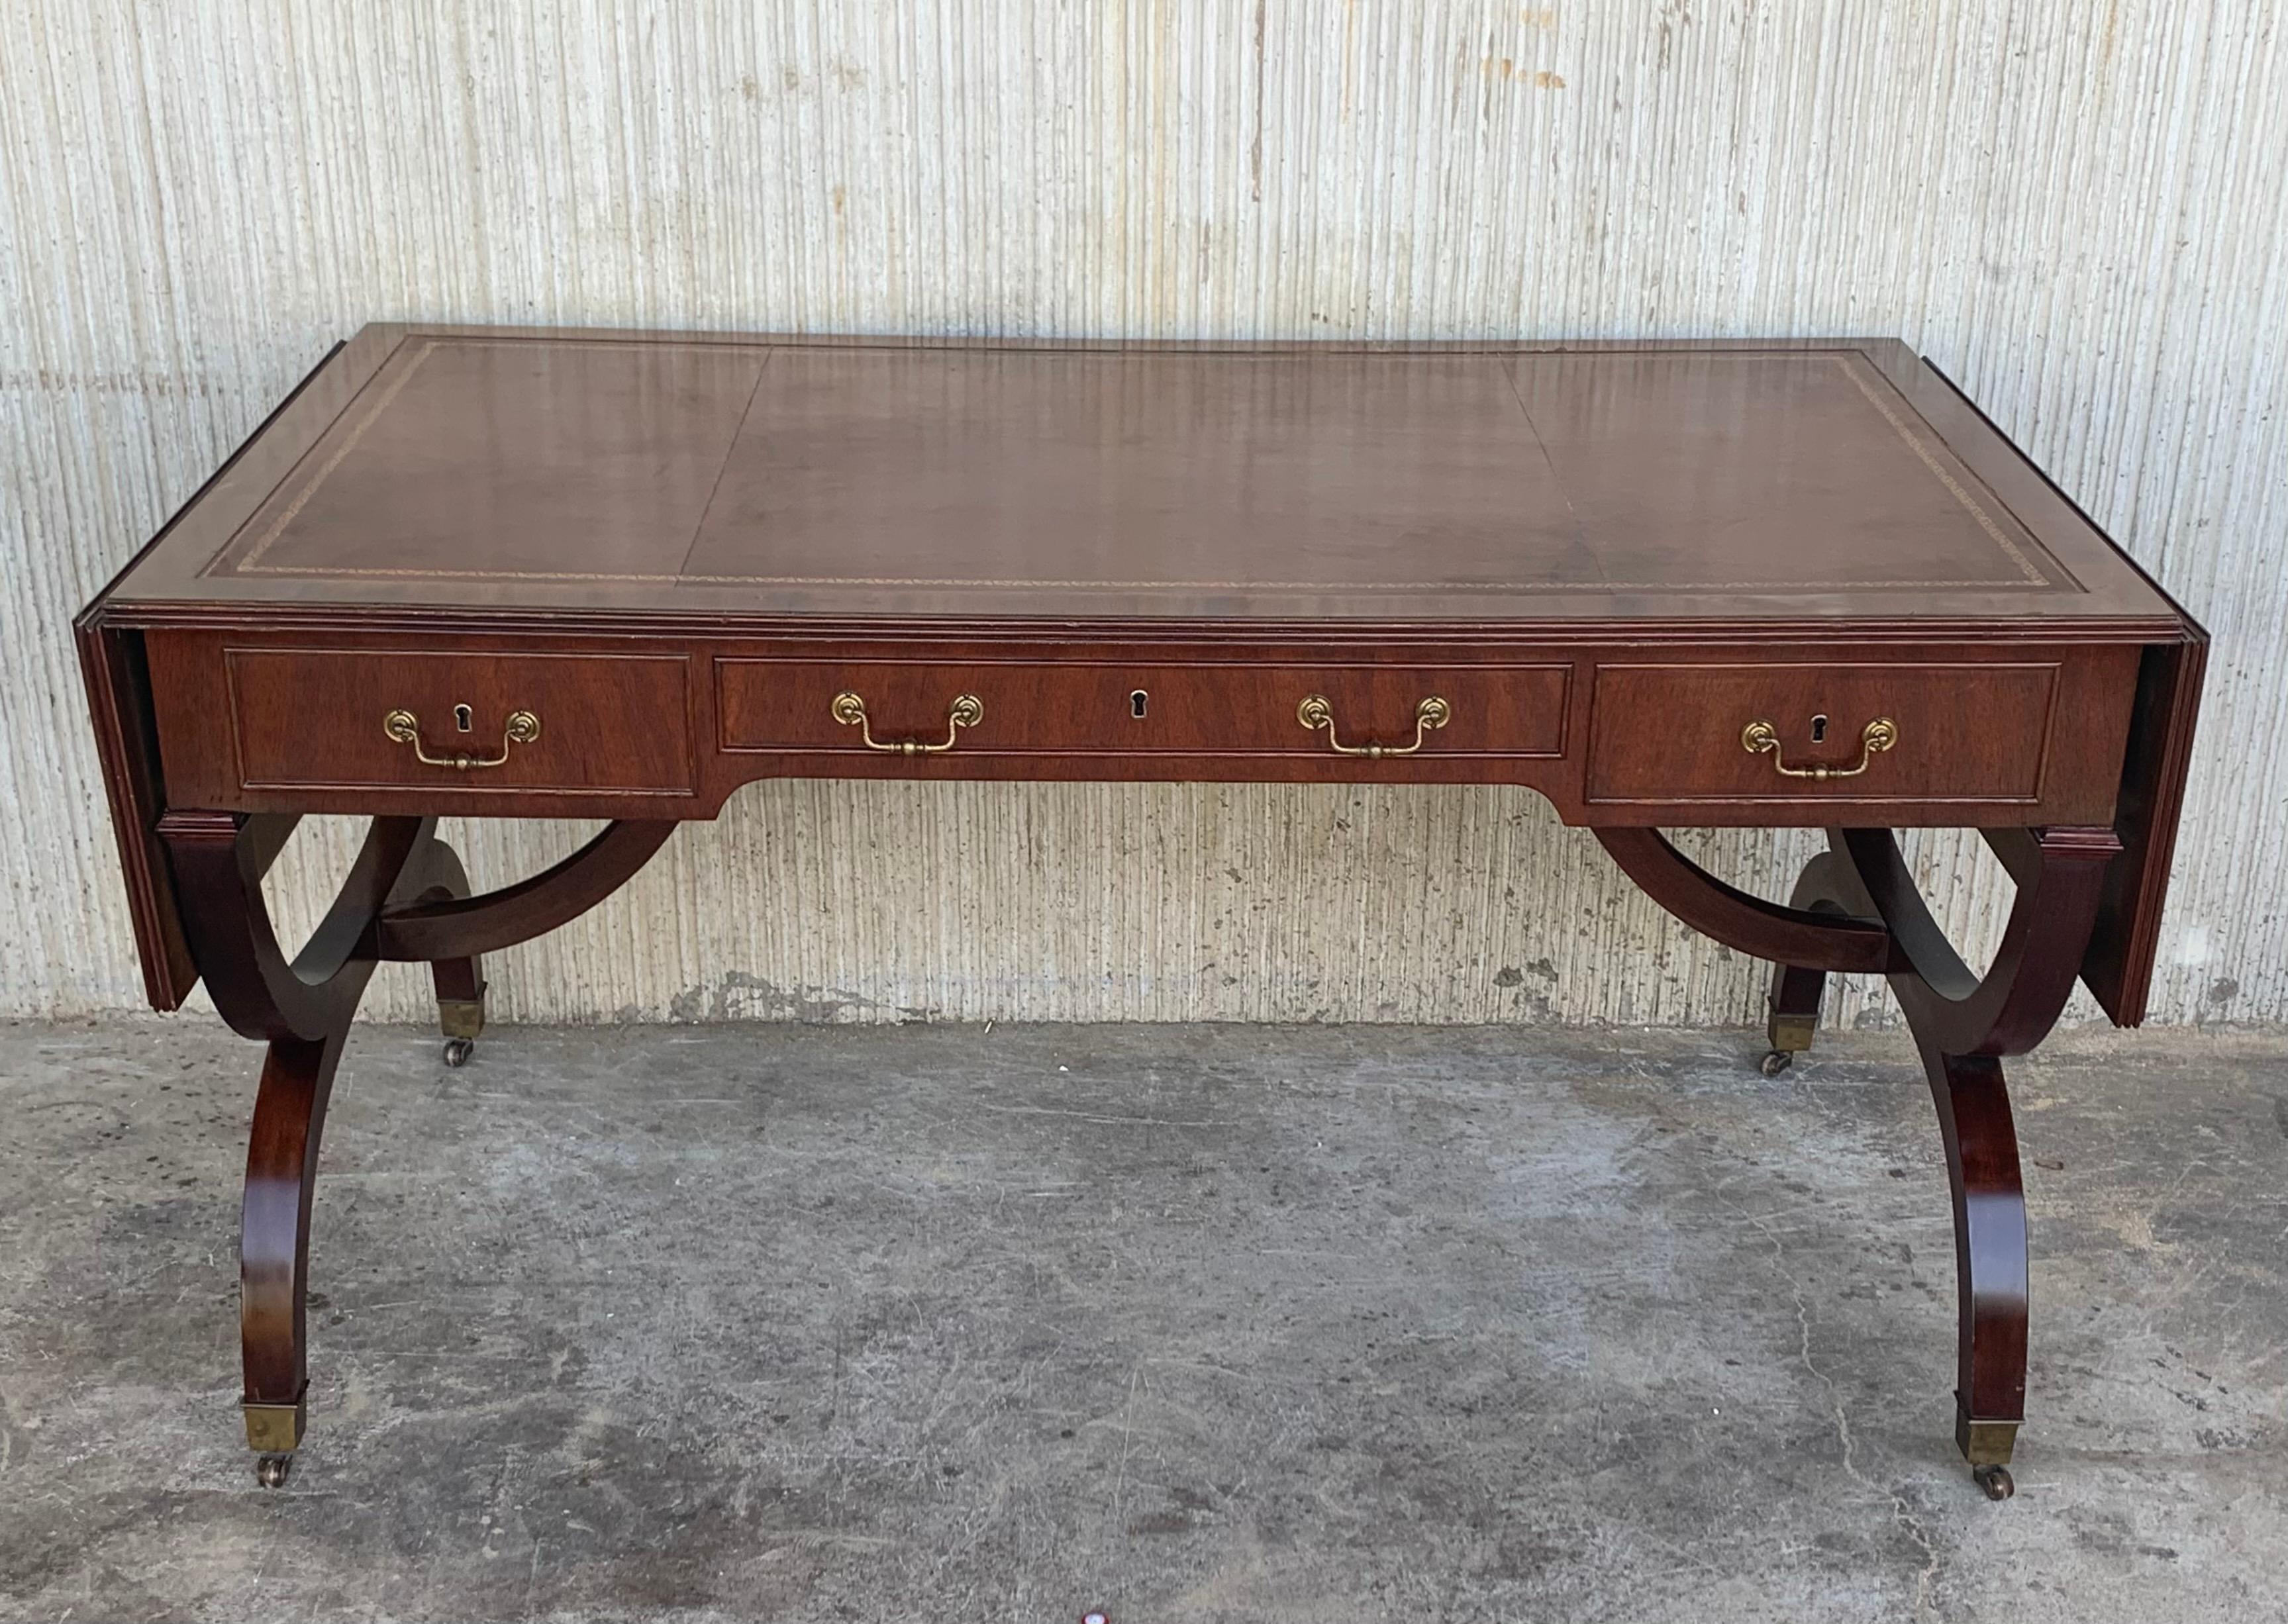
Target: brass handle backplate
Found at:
x=1878, y=736
x=1316, y=714
x=967, y=710
x=403, y=727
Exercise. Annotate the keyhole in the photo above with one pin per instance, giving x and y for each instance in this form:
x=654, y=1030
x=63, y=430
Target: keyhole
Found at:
x=1136, y=704
x=462, y=717
x=1819, y=730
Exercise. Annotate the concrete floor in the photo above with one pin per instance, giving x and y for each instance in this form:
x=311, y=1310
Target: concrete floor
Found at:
x=1198, y=1324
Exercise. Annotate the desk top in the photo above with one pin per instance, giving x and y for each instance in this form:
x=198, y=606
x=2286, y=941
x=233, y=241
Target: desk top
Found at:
x=791, y=480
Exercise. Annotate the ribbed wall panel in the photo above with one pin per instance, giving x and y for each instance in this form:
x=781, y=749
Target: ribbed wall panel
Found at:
x=2076, y=211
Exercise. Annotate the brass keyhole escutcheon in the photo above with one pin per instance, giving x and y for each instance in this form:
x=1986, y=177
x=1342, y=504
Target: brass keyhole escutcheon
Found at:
x=1137, y=701
x=463, y=718
x=1819, y=730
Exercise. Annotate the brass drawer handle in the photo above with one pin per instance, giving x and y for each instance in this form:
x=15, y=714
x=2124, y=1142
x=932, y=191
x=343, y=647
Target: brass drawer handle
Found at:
x=405, y=727
x=967, y=710
x=1314, y=713
x=1878, y=735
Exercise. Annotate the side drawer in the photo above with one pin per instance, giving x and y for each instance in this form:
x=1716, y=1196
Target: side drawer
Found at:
x=1112, y=708
x=1673, y=734
x=314, y=719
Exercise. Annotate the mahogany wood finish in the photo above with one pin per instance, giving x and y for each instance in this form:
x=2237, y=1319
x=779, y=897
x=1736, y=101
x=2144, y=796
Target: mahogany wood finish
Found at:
x=302, y=1007
x=493, y=573
x=1799, y=983
x=1072, y=706
x=2011, y=1009
x=2119, y=967
x=1991, y=1258
x=1964, y=1024
x=119, y=695
x=1535, y=708
x=1993, y=718
x=219, y=859
x=1792, y=935
x=621, y=721
x=460, y=924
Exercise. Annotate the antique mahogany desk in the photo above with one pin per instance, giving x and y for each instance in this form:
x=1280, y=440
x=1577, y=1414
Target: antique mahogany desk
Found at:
x=509, y=574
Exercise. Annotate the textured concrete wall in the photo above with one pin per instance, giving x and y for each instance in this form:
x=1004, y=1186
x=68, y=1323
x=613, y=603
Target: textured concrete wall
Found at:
x=2077, y=211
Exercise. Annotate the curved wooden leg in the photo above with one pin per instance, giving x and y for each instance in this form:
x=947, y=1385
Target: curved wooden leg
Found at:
x=1855, y=909
x=1991, y=1267
x=274, y=1242
x=460, y=981
x=446, y=929
x=1798, y=990
x=1964, y=1024
x=406, y=897
x=302, y=1007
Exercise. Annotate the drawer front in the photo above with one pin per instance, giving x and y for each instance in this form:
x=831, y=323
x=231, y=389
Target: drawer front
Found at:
x=322, y=718
x=1673, y=733
x=1085, y=709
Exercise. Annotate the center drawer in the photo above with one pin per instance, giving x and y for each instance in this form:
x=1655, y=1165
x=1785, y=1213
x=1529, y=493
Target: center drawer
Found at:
x=1085, y=709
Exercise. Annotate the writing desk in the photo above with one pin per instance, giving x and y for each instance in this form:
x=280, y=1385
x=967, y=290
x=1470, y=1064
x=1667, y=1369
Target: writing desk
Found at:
x=512, y=574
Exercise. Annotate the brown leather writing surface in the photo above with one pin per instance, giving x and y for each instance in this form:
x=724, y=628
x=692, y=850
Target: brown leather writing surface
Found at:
x=1071, y=470
x=1768, y=472
x=509, y=459
x=785, y=478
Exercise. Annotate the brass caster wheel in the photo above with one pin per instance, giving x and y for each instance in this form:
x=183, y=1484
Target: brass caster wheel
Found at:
x=1995, y=1480
x=458, y=1051
x=1777, y=1061
x=270, y=1471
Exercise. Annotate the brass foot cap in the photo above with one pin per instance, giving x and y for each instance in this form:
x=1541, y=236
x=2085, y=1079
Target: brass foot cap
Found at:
x=1984, y=1443
x=275, y=1428
x=1792, y=1032
x=458, y=1017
